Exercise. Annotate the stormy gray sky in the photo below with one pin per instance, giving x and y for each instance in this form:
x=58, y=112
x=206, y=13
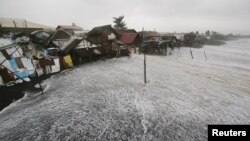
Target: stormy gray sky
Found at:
x=225, y=16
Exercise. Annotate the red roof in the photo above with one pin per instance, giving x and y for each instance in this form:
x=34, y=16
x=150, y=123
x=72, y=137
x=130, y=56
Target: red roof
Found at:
x=120, y=30
x=128, y=38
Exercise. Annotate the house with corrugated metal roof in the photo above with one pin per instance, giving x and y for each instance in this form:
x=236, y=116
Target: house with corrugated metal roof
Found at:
x=8, y=25
x=72, y=29
x=104, y=36
x=129, y=38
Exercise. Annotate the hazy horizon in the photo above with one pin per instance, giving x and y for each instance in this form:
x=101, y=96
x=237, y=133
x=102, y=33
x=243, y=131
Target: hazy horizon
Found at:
x=163, y=16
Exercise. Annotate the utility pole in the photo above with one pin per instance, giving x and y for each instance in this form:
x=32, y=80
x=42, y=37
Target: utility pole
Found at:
x=144, y=51
x=145, y=72
x=15, y=26
x=26, y=28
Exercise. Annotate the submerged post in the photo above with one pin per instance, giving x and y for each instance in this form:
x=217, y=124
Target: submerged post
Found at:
x=41, y=87
x=191, y=53
x=144, y=64
x=145, y=72
x=166, y=51
x=205, y=55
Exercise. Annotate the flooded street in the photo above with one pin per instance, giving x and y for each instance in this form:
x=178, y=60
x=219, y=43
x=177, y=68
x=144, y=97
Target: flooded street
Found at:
x=107, y=100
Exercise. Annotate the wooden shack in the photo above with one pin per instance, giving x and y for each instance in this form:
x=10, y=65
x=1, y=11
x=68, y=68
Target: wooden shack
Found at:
x=104, y=36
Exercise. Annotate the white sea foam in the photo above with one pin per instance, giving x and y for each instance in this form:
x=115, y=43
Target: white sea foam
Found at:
x=107, y=100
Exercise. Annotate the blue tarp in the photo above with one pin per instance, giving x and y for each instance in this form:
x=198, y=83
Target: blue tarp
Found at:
x=19, y=72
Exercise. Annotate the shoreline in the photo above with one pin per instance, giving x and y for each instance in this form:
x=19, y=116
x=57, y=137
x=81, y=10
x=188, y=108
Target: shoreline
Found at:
x=9, y=94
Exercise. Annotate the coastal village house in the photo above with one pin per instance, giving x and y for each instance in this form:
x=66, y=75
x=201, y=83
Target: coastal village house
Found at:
x=8, y=25
x=104, y=36
x=129, y=38
x=72, y=29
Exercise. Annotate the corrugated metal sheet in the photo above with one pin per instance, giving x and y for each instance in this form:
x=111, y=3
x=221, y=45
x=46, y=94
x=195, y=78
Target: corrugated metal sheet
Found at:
x=73, y=42
x=20, y=23
x=86, y=44
x=128, y=38
x=5, y=42
x=99, y=35
x=60, y=34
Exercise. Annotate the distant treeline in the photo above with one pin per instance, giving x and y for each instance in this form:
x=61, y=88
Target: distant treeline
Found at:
x=214, y=35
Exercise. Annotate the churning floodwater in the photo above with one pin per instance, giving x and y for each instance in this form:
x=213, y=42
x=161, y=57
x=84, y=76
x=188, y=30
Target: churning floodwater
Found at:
x=107, y=100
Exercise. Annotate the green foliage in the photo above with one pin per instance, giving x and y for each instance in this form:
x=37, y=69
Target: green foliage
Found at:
x=218, y=36
x=119, y=22
x=207, y=33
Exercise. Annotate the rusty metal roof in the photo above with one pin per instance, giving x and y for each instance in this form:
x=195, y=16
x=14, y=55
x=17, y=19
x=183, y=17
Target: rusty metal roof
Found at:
x=128, y=38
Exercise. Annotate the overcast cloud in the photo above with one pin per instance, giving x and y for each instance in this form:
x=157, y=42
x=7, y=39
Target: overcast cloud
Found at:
x=225, y=16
